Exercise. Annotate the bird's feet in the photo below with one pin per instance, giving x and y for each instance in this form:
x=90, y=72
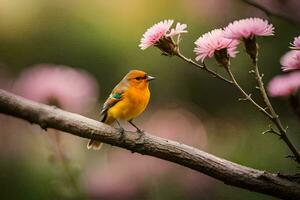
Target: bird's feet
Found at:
x=140, y=139
x=121, y=130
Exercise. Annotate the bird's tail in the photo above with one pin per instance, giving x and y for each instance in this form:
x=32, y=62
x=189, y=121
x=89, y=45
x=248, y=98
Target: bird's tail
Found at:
x=94, y=144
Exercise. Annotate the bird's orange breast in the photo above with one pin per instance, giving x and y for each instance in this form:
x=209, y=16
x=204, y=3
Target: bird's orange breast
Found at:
x=134, y=102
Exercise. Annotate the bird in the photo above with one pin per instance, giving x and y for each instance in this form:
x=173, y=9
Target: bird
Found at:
x=127, y=101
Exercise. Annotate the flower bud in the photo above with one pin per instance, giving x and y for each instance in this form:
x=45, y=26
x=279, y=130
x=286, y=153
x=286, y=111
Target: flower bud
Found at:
x=167, y=46
x=222, y=57
x=251, y=47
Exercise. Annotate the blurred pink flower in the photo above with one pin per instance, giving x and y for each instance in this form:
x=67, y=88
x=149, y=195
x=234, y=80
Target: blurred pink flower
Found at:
x=290, y=60
x=171, y=123
x=210, y=42
x=68, y=88
x=246, y=28
x=159, y=31
x=296, y=43
x=110, y=179
x=284, y=85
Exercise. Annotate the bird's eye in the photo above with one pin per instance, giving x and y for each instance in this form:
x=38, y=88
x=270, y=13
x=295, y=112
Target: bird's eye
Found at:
x=141, y=78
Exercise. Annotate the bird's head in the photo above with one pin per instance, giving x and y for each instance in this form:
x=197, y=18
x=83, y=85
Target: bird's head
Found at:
x=138, y=79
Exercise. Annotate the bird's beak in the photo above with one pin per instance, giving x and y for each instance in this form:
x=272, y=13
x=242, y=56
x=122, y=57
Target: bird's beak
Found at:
x=150, y=78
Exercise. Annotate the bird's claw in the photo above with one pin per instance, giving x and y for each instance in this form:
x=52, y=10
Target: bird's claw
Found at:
x=121, y=131
x=140, y=131
x=140, y=139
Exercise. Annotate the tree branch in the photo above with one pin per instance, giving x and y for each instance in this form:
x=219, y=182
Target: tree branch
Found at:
x=269, y=13
x=228, y=172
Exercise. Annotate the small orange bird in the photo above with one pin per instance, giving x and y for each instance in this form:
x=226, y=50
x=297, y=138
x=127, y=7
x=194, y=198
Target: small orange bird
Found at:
x=126, y=102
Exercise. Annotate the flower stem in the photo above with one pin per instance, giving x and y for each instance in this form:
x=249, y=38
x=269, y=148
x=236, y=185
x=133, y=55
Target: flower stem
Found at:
x=203, y=67
x=270, y=115
x=274, y=117
x=247, y=96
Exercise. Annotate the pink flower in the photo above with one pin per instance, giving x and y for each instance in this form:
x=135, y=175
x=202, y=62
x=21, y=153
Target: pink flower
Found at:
x=296, y=43
x=284, y=85
x=210, y=42
x=68, y=88
x=290, y=60
x=246, y=28
x=159, y=31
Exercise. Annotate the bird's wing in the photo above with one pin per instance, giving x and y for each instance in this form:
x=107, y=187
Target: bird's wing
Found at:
x=114, y=97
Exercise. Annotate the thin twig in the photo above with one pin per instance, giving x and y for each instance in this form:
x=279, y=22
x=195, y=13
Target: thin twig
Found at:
x=271, y=130
x=203, y=67
x=247, y=96
x=274, y=116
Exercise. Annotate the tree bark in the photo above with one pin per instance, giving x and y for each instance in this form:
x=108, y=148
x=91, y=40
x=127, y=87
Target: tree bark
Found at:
x=285, y=187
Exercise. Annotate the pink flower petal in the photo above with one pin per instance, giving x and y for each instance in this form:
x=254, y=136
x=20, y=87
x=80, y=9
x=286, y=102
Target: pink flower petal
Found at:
x=180, y=28
x=246, y=28
x=207, y=44
x=160, y=30
x=296, y=43
x=290, y=60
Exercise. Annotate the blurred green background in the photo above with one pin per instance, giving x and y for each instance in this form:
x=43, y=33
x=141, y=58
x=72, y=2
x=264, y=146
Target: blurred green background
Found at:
x=102, y=38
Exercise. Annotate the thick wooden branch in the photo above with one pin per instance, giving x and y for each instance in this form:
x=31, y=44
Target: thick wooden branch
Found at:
x=230, y=173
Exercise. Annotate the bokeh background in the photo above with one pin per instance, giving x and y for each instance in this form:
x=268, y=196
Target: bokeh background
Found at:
x=100, y=39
